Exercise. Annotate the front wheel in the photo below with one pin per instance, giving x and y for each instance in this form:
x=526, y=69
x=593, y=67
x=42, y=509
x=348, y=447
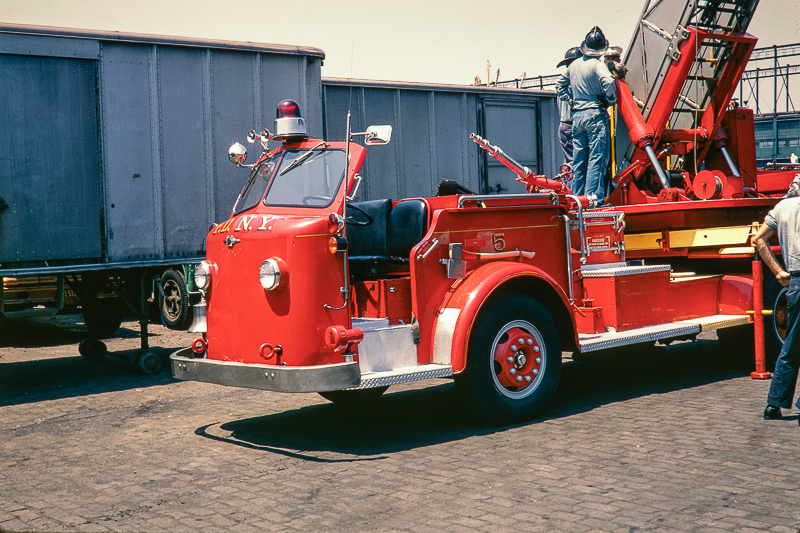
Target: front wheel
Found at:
x=513, y=360
x=354, y=396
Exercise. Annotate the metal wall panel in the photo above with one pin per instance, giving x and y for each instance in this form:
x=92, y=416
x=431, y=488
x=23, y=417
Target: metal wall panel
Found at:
x=182, y=150
x=552, y=156
x=454, y=153
x=233, y=111
x=292, y=77
x=378, y=106
x=49, y=164
x=128, y=142
x=512, y=125
x=430, y=140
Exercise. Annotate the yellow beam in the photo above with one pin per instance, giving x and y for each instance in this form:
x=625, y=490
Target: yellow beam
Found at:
x=689, y=238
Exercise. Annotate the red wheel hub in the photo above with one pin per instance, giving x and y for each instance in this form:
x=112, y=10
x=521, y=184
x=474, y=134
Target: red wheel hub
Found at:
x=519, y=359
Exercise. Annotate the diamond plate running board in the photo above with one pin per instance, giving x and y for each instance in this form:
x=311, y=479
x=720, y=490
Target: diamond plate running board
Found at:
x=403, y=375
x=612, y=339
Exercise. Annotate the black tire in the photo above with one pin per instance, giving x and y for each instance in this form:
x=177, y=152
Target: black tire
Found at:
x=173, y=301
x=739, y=341
x=355, y=396
x=488, y=385
x=103, y=316
x=148, y=363
x=93, y=350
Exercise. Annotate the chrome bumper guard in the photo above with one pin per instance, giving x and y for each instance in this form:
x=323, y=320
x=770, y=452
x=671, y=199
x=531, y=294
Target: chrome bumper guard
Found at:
x=267, y=377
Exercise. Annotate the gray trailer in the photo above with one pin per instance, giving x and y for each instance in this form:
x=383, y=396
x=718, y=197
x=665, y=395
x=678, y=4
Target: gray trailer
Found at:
x=430, y=141
x=113, y=163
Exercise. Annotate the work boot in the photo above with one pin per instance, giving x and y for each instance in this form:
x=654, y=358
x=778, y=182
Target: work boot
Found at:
x=772, y=413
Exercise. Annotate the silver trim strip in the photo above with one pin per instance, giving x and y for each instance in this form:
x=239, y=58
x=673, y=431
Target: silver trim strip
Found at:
x=266, y=377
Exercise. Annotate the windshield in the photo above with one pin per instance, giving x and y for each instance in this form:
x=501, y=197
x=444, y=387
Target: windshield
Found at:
x=254, y=189
x=307, y=178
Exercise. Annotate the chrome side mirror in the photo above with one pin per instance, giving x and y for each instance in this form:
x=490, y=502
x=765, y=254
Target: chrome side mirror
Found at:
x=378, y=135
x=237, y=153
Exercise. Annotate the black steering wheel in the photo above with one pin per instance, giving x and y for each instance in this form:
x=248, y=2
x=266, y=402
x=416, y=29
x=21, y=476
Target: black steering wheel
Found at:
x=353, y=222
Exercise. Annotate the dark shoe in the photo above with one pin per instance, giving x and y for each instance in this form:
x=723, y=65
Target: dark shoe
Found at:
x=772, y=412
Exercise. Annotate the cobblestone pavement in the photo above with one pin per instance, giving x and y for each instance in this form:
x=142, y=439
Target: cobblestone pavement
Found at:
x=641, y=439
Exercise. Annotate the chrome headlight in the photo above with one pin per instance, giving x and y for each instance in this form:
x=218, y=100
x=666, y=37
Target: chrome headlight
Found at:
x=269, y=274
x=202, y=275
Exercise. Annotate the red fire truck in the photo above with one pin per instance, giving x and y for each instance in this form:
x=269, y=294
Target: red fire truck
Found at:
x=307, y=291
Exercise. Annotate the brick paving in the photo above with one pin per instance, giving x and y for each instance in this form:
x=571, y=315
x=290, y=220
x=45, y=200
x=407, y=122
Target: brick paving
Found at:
x=667, y=439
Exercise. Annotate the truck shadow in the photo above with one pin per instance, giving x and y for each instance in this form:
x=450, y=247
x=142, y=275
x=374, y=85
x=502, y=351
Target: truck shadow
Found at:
x=72, y=377
x=421, y=417
x=51, y=378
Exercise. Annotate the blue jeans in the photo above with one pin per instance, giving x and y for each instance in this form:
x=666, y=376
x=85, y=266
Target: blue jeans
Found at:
x=784, y=379
x=565, y=138
x=591, y=138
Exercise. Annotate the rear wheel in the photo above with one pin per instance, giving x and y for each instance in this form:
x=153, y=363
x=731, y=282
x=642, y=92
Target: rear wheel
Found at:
x=513, y=360
x=103, y=316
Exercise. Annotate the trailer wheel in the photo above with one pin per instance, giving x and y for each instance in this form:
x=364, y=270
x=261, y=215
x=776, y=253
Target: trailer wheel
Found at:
x=148, y=363
x=176, y=310
x=513, y=360
x=93, y=350
x=355, y=396
x=103, y=316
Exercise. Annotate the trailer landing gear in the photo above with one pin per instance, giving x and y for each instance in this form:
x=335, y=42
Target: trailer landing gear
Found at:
x=95, y=350
x=143, y=360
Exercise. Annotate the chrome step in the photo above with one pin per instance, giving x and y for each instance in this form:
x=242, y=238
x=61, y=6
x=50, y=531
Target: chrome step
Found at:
x=590, y=342
x=403, y=375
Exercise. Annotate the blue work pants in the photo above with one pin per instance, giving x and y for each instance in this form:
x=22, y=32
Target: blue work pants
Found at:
x=591, y=138
x=784, y=378
x=565, y=138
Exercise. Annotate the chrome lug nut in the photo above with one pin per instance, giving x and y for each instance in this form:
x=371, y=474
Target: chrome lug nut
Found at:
x=521, y=340
x=514, y=348
x=519, y=378
x=528, y=379
x=535, y=348
x=512, y=371
x=535, y=371
x=538, y=360
x=530, y=341
x=510, y=359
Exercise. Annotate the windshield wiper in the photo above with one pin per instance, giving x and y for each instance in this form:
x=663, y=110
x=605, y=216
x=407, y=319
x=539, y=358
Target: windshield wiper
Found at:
x=297, y=162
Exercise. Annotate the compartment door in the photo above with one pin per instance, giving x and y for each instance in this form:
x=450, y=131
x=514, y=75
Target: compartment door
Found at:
x=50, y=180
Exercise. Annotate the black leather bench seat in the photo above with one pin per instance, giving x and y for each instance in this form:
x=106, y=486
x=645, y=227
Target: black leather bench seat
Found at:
x=382, y=248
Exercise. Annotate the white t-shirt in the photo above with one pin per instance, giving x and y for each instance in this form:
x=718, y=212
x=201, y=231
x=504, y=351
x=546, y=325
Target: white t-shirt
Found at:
x=785, y=219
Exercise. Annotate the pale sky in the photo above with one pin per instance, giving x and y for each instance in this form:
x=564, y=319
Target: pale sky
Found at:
x=435, y=41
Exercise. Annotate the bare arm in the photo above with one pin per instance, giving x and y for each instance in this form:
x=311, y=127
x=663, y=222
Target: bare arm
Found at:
x=761, y=241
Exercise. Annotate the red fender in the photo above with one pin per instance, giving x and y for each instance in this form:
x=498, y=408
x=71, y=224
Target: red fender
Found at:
x=458, y=312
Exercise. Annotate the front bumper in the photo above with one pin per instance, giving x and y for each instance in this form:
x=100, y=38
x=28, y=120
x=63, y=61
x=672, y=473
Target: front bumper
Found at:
x=267, y=377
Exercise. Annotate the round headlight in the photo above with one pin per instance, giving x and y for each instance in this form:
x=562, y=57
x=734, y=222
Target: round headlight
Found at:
x=269, y=274
x=202, y=275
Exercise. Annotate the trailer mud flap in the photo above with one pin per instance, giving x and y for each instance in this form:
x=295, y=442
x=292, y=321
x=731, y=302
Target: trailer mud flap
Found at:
x=267, y=377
